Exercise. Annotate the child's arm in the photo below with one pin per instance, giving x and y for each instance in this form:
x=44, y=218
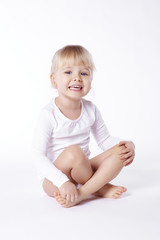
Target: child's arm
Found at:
x=45, y=168
x=101, y=133
x=105, y=141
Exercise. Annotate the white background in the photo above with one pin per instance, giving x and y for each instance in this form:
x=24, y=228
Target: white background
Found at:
x=123, y=38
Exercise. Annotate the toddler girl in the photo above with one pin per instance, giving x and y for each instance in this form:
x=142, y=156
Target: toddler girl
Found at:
x=61, y=140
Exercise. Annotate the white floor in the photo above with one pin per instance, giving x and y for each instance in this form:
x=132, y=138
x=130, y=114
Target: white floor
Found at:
x=27, y=213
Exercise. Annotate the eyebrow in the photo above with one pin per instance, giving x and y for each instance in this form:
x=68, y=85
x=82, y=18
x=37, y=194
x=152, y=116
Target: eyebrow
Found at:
x=71, y=67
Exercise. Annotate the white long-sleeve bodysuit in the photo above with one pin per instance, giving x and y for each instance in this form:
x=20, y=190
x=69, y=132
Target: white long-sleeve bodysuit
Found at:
x=54, y=132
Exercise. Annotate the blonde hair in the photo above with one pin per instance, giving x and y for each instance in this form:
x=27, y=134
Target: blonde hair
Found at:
x=72, y=54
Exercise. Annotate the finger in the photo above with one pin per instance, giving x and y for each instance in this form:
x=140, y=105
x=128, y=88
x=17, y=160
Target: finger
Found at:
x=126, y=150
x=128, y=161
x=68, y=197
x=76, y=196
x=72, y=198
x=126, y=156
x=122, y=143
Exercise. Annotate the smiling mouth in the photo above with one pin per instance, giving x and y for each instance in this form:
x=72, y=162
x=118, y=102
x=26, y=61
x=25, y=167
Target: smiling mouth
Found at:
x=75, y=87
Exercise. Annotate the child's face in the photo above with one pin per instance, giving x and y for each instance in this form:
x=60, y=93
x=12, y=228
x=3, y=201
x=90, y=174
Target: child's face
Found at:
x=72, y=81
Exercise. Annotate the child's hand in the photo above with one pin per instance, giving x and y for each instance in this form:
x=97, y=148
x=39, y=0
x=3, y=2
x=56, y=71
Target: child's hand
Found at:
x=127, y=155
x=69, y=191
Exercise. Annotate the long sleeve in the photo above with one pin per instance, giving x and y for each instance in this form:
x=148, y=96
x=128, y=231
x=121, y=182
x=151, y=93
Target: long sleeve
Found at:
x=101, y=133
x=44, y=166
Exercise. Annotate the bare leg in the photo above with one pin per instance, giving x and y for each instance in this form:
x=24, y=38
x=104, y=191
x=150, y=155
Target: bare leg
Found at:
x=72, y=162
x=108, y=190
x=108, y=166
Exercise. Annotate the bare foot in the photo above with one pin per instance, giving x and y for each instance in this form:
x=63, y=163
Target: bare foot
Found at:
x=110, y=191
x=62, y=201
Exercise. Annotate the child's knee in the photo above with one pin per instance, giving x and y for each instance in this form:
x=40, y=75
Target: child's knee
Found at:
x=117, y=149
x=115, y=154
x=75, y=153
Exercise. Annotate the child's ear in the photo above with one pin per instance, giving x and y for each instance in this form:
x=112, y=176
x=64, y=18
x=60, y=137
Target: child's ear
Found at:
x=52, y=78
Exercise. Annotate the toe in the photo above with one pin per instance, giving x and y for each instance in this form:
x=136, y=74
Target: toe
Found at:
x=116, y=195
x=120, y=191
x=124, y=189
x=60, y=200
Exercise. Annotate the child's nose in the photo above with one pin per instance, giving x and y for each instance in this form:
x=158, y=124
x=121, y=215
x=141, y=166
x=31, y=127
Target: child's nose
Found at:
x=77, y=78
